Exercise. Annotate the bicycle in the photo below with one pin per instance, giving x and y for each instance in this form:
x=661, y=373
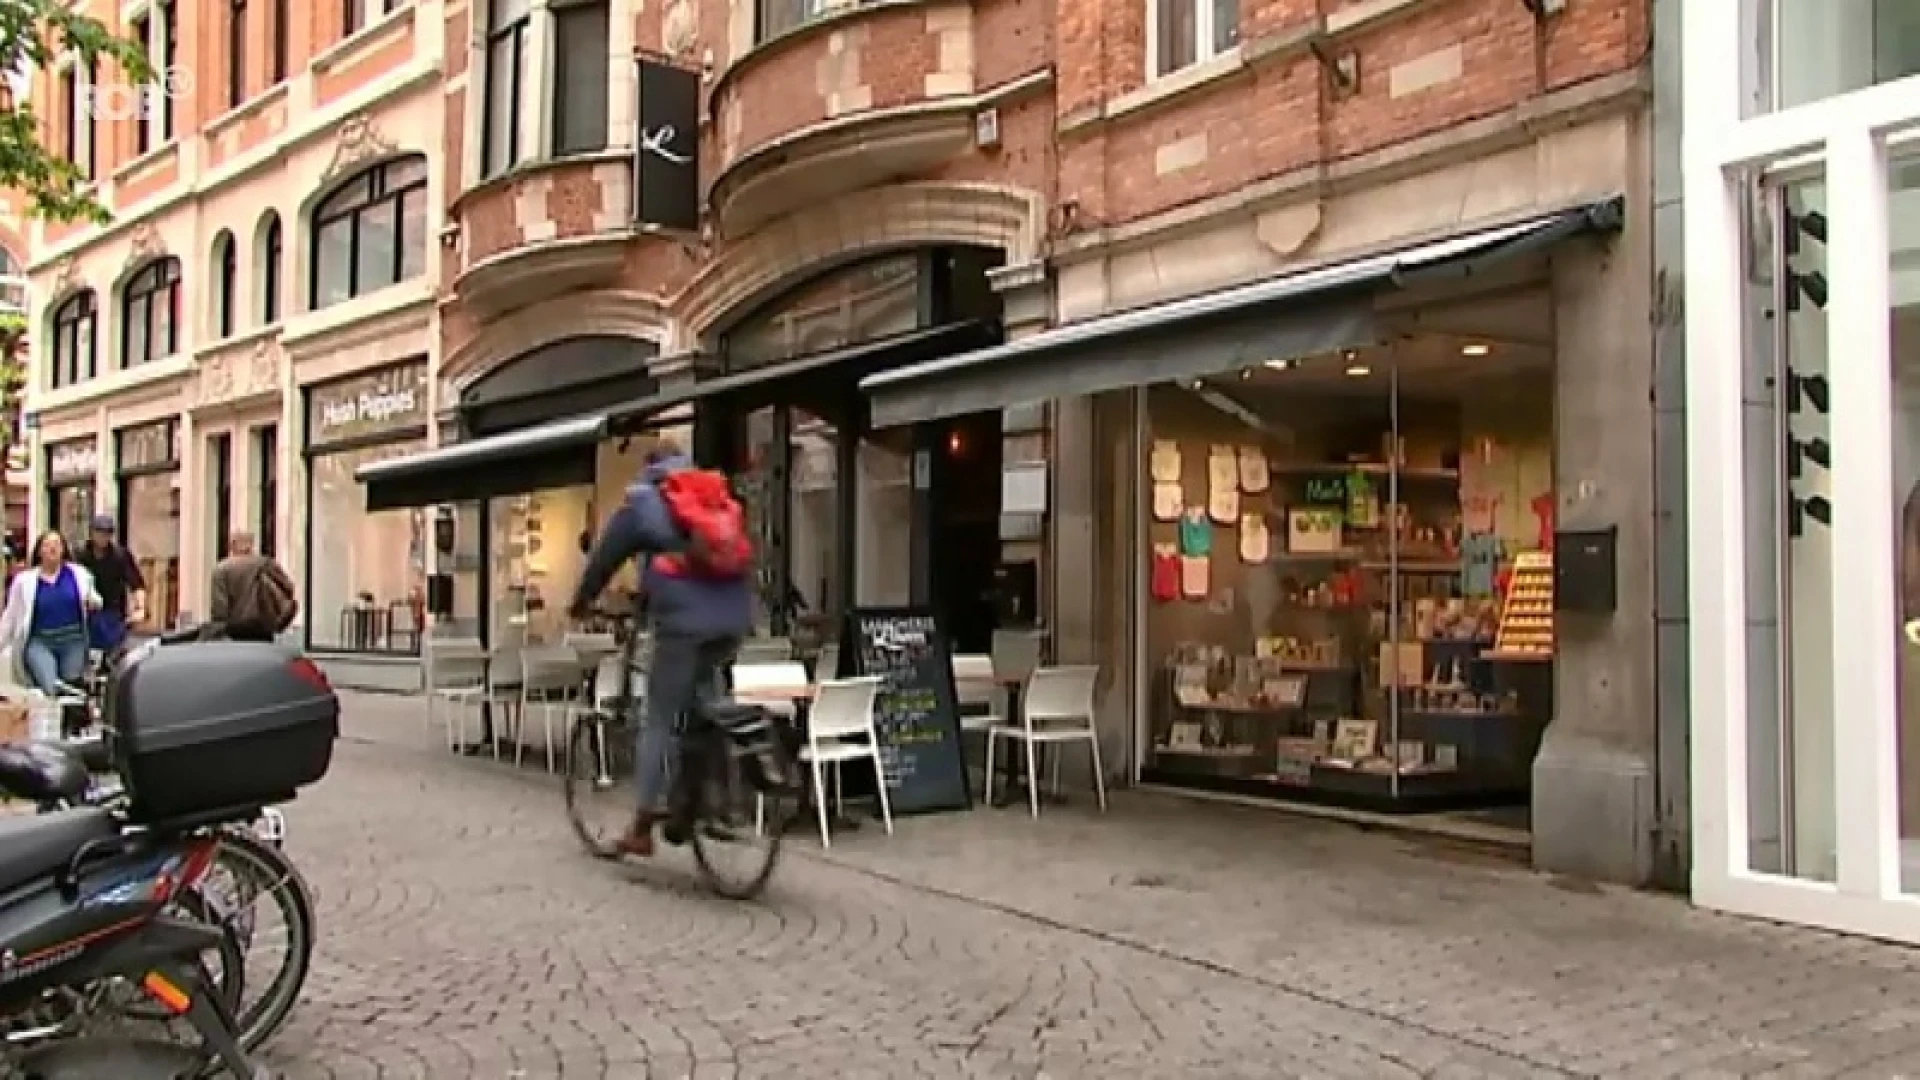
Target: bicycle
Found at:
x=732, y=791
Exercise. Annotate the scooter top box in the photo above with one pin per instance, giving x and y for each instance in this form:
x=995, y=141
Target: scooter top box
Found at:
x=209, y=726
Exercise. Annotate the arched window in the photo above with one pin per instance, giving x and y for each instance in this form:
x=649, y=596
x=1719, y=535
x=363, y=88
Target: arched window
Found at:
x=371, y=232
x=150, y=313
x=13, y=283
x=73, y=353
x=269, y=256
x=226, y=269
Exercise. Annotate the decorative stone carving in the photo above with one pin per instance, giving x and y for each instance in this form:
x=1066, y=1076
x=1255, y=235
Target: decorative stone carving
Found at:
x=263, y=371
x=679, y=31
x=359, y=141
x=67, y=278
x=145, y=244
x=216, y=379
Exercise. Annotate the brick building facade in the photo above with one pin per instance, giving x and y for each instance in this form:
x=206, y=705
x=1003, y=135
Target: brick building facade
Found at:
x=878, y=183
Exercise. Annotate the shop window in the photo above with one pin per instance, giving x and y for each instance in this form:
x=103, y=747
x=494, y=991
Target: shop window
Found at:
x=367, y=568
x=1350, y=575
x=501, y=136
x=236, y=53
x=226, y=269
x=150, y=313
x=1904, y=294
x=1838, y=47
x=74, y=323
x=580, y=77
x=814, y=530
x=1182, y=33
x=370, y=232
x=271, y=259
x=536, y=562
x=150, y=527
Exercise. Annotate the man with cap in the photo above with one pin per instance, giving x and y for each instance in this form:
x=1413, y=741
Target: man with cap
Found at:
x=123, y=591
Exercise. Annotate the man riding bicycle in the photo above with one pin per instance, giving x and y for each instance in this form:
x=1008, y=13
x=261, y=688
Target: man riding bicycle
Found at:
x=696, y=580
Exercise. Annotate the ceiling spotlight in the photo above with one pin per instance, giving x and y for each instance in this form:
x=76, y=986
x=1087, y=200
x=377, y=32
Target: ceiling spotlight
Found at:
x=1475, y=350
x=1283, y=364
x=1359, y=371
x=1246, y=373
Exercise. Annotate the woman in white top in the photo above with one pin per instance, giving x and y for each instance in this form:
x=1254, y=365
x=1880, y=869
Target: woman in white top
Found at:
x=45, y=621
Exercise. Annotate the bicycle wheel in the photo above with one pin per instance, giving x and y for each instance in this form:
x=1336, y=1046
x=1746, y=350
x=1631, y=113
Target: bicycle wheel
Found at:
x=600, y=798
x=246, y=870
x=740, y=816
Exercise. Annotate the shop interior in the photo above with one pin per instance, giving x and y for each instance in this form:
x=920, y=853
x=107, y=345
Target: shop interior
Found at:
x=150, y=526
x=1350, y=573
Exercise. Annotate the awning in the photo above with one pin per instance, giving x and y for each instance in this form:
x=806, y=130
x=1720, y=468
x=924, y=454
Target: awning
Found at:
x=830, y=374
x=1304, y=313
x=551, y=455
x=566, y=378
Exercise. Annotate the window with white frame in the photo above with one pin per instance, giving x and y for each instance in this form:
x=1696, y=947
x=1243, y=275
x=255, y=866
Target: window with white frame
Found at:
x=1841, y=45
x=77, y=137
x=158, y=29
x=1182, y=33
x=72, y=358
x=357, y=15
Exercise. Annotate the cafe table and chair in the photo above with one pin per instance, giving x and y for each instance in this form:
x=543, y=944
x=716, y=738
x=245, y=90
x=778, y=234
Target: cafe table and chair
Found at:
x=1058, y=710
x=455, y=674
x=840, y=728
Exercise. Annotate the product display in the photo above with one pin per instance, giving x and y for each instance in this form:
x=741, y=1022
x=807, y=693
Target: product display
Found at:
x=1361, y=651
x=1526, y=620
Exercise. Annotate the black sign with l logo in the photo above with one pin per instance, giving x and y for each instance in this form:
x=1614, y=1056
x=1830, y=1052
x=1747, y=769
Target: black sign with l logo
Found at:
x=667, y=169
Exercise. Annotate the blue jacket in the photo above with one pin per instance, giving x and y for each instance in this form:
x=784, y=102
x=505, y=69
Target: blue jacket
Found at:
x=642, y=528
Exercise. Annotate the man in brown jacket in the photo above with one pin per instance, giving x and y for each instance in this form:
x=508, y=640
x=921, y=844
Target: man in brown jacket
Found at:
x=253, y=598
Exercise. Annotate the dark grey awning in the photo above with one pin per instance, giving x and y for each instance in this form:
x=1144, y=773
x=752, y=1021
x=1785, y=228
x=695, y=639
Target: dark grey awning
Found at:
x=565, y=378
x=1303, y=313
x=834, y=373
x=515, y=463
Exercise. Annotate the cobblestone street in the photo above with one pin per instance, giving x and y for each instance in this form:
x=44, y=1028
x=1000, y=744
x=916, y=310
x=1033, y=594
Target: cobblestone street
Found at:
x=463, y=934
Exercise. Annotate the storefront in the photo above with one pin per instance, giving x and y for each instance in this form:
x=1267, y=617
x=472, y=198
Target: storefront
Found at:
x=147, y=473
x=1802, y=184
x=73, y=471
x=1323, y=534
x=528, y=470
x=366, y=566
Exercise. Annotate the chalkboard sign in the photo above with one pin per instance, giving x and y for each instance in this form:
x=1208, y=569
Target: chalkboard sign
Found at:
x=917, y=712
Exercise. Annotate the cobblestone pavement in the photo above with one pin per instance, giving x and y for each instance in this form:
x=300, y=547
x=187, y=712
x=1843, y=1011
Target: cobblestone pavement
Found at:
x=464, y=935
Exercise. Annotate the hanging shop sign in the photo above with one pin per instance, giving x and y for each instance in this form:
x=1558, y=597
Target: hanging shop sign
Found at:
x=668, y=151
x=386, y=402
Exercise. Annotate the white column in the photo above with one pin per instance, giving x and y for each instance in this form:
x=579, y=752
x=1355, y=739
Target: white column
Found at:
x=1716, y=556
x=1865, y=616
x=536, y=129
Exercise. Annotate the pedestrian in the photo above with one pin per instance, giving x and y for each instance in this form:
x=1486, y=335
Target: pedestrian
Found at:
x=45, y=621
x=253, y=596
x=123, y=589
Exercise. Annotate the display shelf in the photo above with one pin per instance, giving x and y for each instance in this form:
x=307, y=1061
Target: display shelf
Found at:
x=1526, y=615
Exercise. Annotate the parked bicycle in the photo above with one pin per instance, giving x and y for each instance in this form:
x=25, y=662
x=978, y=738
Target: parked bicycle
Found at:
x=733, y=792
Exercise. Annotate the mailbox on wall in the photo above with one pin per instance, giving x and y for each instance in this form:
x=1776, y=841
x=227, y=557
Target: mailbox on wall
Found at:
x=1586, y=570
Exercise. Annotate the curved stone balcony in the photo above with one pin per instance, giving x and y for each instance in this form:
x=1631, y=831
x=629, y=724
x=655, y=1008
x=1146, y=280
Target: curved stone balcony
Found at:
x=542, y=230
x=851, y=98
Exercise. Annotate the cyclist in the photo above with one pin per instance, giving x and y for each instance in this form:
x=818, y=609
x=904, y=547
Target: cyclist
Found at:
x=696, y=576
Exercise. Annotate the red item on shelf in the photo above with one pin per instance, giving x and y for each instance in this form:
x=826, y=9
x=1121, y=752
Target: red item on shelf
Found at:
x=1165, y=579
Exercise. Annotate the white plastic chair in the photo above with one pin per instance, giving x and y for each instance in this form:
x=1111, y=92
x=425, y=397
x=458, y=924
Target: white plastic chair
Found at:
x=784, y=675
x=974, y=686
x=550, y=682
x=767, y=650
x=456, y=682
x=840, y=728
x=1057, y=708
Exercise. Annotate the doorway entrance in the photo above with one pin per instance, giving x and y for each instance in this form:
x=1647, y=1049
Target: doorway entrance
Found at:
x=962, y=525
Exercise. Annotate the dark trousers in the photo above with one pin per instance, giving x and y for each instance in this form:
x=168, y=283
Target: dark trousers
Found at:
x=685, y=671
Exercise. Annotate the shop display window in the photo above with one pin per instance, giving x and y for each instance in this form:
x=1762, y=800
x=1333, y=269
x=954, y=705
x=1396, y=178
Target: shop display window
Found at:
x=151, y=525
x=72, y=511
x=1350, y=579
x=366, y=569
x=537, y=561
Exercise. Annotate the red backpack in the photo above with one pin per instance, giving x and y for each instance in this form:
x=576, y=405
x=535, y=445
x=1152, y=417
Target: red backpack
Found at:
x=714, y=523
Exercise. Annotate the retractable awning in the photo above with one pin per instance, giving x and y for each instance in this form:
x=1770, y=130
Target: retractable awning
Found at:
x=833, y=372
x=1304, y=313
x=550, y=455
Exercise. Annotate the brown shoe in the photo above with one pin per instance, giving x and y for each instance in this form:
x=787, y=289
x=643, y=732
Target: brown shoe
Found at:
x=638, y=842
